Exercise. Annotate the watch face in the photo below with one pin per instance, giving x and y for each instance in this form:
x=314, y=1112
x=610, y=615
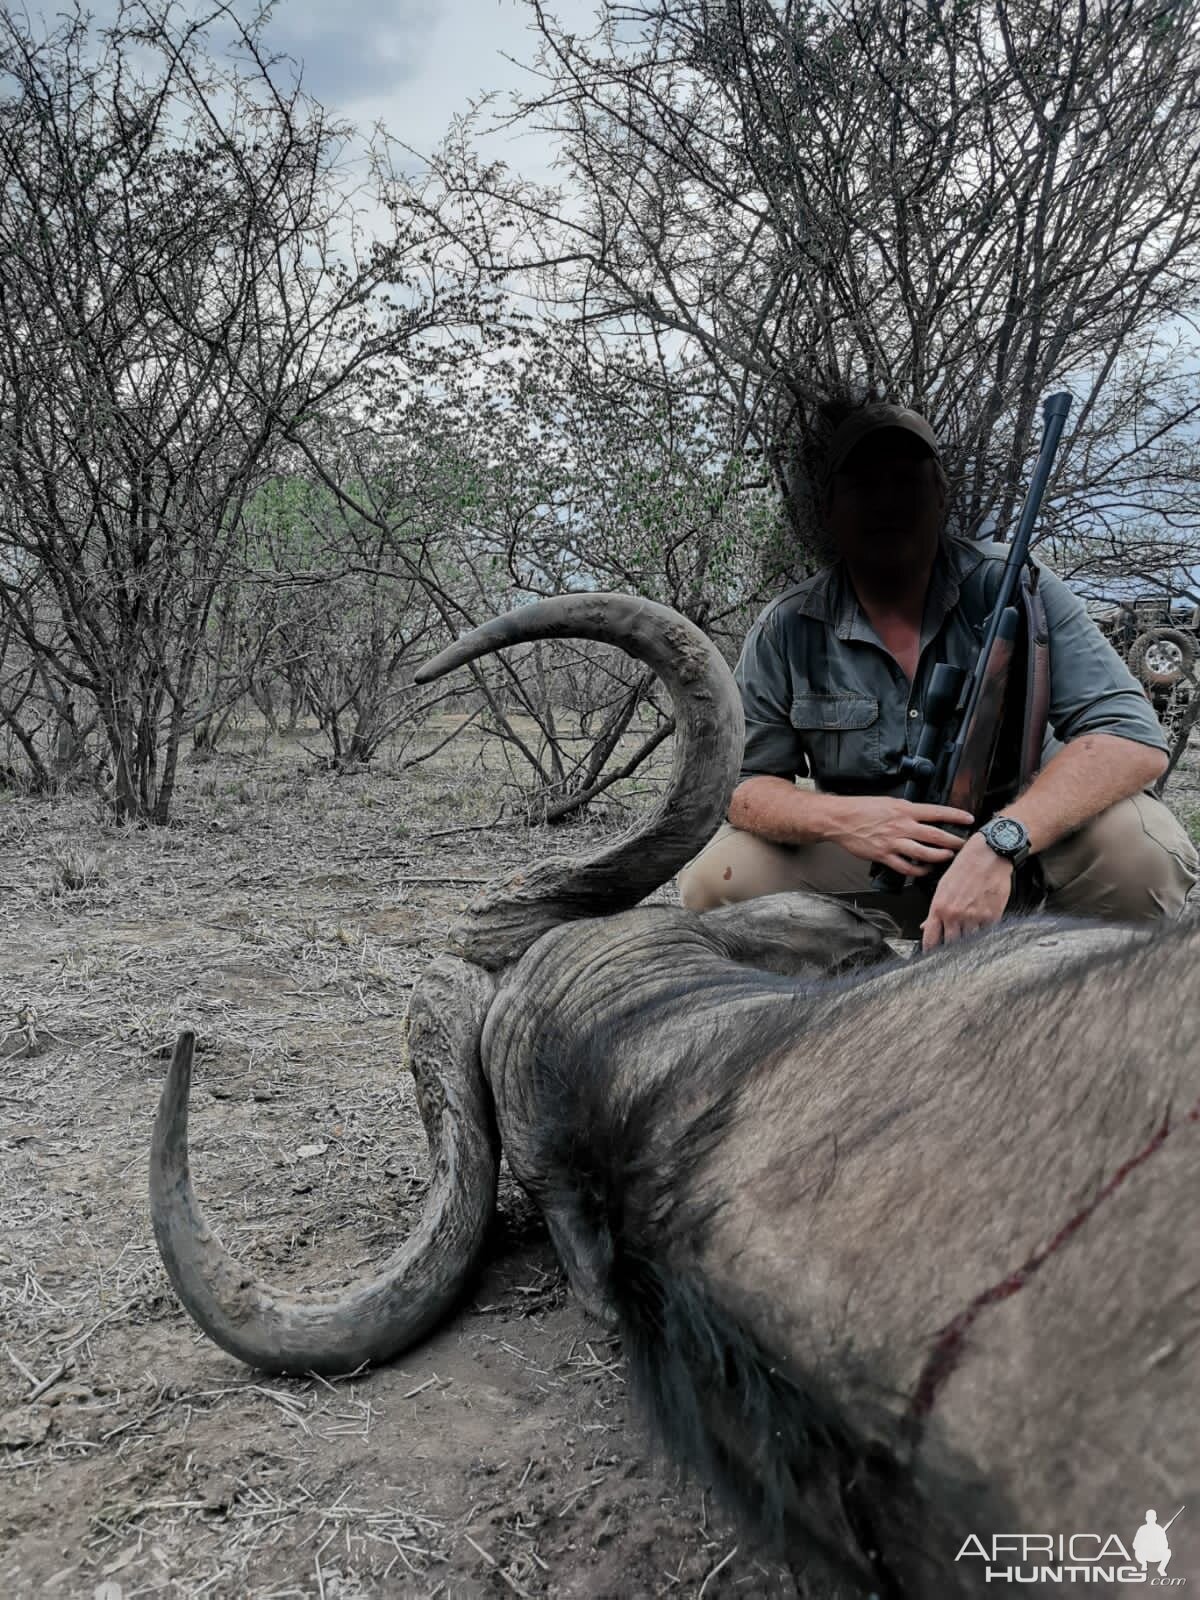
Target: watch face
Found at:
x=1006, y=833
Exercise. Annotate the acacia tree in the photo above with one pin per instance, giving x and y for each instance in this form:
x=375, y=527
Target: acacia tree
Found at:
x=962, y=206
x=180, y=293
x=609, y=471
x=337, y=616
x=39, y=741
x=546, y=466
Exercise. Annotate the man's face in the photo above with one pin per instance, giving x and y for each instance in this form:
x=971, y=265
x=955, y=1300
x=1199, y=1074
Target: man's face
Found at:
x=886, y=506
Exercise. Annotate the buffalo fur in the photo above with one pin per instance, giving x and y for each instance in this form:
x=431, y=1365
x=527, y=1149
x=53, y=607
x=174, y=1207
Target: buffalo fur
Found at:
x=625, y=1156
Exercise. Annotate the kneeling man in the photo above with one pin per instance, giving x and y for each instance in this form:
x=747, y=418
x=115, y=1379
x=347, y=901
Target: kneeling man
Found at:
x=833, y=676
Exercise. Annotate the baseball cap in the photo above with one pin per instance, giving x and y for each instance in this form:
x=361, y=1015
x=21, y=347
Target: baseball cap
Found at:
x=867, y=420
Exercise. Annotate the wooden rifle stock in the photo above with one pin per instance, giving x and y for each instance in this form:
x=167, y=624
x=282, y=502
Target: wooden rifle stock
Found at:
x=977, y=747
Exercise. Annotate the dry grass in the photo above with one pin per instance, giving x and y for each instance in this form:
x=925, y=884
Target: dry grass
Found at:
x=284, y=915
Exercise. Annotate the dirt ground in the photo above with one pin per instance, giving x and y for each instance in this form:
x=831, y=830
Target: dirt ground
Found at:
x=284, y=915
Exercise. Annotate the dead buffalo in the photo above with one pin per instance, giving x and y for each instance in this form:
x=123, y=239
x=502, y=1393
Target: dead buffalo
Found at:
x=905, y=1256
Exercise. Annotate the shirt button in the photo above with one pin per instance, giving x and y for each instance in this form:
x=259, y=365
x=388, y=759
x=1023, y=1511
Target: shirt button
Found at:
x=914, y=712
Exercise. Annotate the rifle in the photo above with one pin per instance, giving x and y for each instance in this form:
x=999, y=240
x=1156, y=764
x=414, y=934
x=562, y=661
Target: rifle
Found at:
x=964, y=709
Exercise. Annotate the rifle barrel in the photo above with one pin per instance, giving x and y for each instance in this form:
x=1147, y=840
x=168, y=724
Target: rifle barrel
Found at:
x=1054, y=417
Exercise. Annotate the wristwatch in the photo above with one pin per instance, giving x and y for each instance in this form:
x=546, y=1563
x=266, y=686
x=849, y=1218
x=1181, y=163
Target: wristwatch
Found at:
x=1008, y=838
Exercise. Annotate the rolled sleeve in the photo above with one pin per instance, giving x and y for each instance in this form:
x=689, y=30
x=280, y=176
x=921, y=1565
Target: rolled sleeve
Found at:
x=773, y=745
x=1091, y=688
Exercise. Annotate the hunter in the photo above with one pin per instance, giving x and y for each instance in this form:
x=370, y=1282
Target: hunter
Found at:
x=832, y=677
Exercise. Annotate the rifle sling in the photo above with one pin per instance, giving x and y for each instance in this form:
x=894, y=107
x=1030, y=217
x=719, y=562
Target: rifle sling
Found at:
x=1037, y=675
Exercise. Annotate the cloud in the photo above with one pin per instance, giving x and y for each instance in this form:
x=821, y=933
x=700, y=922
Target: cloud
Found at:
x=414, y=64
x=361, y=50
x=410, y=64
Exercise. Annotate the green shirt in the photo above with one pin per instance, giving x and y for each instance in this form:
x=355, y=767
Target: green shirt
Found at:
x=825, y=699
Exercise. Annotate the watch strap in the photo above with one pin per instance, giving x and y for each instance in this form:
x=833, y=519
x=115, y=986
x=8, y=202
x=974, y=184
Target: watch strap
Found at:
x=1020, y=855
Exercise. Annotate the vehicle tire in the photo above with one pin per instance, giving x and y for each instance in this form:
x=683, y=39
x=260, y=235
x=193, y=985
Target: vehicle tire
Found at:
x=1162, y=656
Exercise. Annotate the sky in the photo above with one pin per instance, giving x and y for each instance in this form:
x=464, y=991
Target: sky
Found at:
x=409, y=64
x=414, y=64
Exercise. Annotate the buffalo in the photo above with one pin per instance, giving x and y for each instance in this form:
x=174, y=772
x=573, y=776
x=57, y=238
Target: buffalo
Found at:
x=904, y=1254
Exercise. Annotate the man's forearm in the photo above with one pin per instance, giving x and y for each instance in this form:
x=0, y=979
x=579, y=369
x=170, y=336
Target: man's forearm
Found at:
x=1087, y=776
x=775, y=809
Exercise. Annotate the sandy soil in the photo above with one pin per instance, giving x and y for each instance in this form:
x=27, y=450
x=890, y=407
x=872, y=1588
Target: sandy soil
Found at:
x=284, y=915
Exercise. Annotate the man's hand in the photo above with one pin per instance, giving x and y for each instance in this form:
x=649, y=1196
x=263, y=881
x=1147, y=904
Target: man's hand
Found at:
x=898, y=833
x=973, y=894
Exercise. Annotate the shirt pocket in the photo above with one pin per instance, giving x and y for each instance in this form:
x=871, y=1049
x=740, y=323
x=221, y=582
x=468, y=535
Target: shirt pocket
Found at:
x=841, y=736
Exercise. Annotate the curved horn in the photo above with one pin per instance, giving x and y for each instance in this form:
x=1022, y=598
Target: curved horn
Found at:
x=501, y=924
x=375, y=1319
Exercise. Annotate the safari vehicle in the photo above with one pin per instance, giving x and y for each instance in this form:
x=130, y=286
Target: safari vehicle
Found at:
x=1159, y=639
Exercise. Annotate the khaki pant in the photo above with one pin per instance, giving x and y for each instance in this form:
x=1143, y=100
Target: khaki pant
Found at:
x=1132, y=863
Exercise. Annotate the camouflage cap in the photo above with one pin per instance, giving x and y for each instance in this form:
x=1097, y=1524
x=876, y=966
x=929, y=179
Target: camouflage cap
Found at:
x=867, y=420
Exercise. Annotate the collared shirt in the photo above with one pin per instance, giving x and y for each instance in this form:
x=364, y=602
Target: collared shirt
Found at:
x=824, y=698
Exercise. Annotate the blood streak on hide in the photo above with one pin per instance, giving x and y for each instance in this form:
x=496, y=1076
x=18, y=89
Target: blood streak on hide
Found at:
x=952, y=1339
